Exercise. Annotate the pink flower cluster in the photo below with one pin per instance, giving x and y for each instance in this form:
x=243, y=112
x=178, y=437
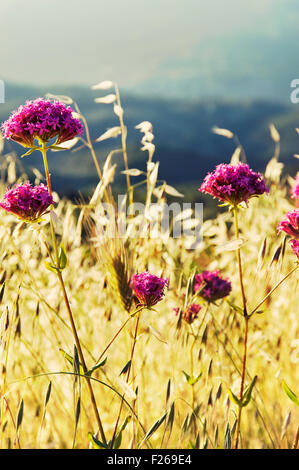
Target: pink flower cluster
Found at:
x=42, y=119
x=295, y=247
x=148, y=288
x=233, y=183
x=27, y=202
x=190, y=313
x=295, y=189
x=290, y=225
x=211, y=286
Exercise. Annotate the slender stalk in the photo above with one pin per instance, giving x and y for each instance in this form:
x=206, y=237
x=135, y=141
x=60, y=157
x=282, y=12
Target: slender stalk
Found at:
x=117, y=333
x=123, y=136
x=296, y=440
x=192, y=369
x=242, y=380
x=192, y=376
x=124, y=143
x=246, y=320
x=240, y=262
x=127, y=380
x=4, y=366
x=67, y=304
x=88, y=143
x=273, y=289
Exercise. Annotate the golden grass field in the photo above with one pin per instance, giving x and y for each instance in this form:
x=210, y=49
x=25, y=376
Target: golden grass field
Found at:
x=39, y=388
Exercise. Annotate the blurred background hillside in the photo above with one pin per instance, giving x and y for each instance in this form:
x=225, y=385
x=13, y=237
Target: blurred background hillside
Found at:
x=186, y=66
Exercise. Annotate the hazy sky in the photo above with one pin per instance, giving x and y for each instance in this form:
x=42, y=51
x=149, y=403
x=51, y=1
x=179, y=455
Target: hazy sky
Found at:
x=86, y=41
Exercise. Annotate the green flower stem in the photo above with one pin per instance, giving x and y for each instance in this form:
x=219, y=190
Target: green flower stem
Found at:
x=67, y=304
x=246, y=320
x=235, y=209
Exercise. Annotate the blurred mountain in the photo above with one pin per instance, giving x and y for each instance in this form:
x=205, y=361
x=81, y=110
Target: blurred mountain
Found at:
x=186, y=147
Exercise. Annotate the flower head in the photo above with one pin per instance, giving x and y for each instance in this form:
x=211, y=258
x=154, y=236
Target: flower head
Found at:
x=43, y=119
x=27, y=202
x=148, y=288
x=233, y=183
x=291, y=224
x=211, y=286
x=295, y=189
x=295, y=247
x=190, y=313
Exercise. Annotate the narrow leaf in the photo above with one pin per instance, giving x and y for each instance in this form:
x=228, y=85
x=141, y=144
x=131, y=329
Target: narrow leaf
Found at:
x=227, y=438
x=290, y=394
x=96, y=443
x=154, y=428
x=62, y=258
x=20, y=414
x=247, y=394
x=234, y=398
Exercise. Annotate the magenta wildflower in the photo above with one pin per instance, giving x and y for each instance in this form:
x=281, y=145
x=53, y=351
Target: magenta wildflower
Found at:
x=295, y=189
x=190, y=313
x=43, y=119
x=148, y=288
x=291, y=224
x=295, y=246
x=233, y=183
x=27, y=202
x=211, y=286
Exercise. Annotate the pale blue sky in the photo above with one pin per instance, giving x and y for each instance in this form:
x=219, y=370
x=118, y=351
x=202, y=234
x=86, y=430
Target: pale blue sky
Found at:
x=129, y=41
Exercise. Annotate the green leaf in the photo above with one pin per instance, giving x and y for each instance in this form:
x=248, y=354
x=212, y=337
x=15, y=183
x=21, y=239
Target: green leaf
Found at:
x=170, y=420
x=70, y=359
x=62, y=258
x=247, y=394
x=97, y=366
x=56, y=147
x=290, y=394
x=50, y=267
x=236, y=308
x=29, y=152
x=154, y=428
x=96, y=443
x=234, y=398
x=118, y=438
x=191, y=379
